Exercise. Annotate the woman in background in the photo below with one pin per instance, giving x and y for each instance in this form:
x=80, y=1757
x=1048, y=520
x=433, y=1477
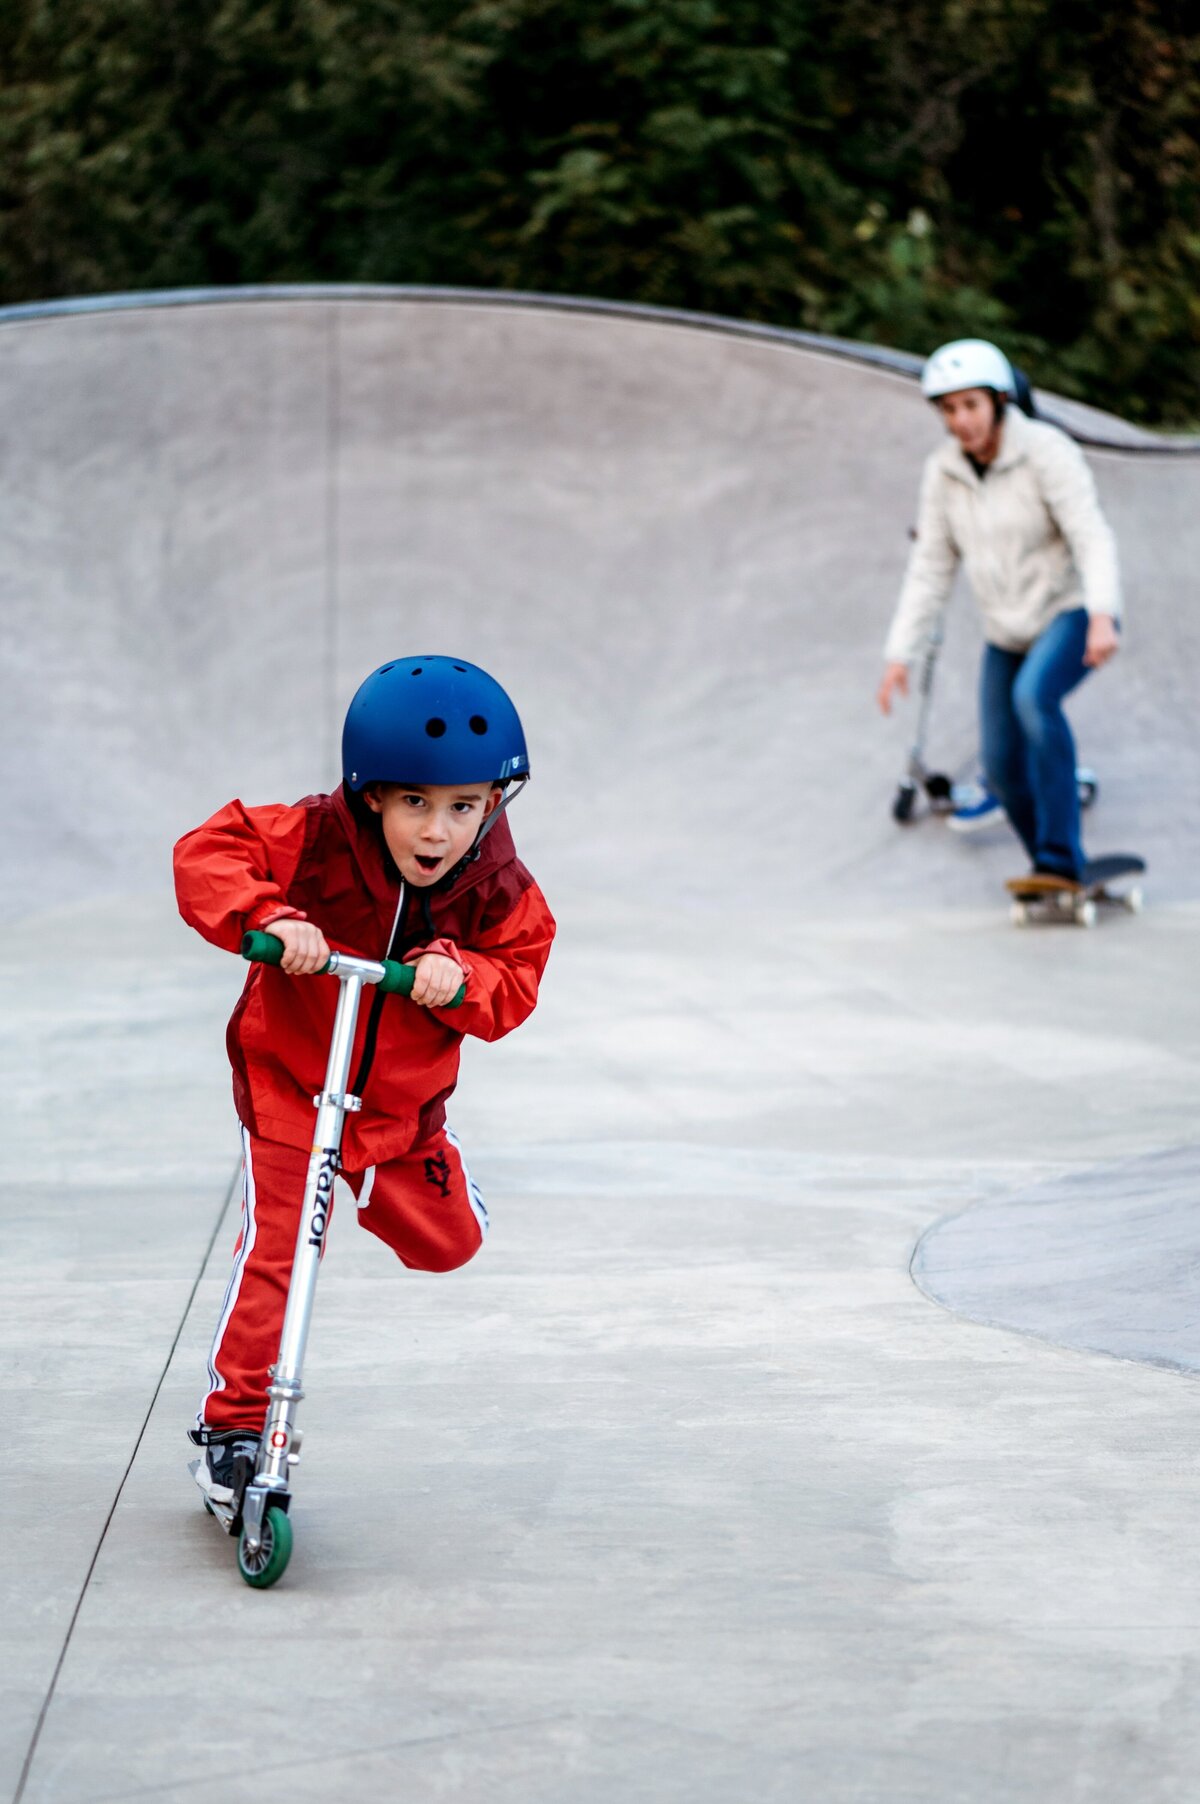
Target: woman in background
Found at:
x=1012, y=499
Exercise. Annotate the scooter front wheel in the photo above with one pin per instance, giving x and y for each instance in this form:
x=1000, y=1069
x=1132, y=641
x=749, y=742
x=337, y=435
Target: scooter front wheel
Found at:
x=269, y=1560
x=904, y=801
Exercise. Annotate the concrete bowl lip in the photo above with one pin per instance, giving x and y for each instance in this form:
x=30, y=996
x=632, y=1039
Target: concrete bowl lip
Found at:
x=1087, y=425
x=1054, y=1188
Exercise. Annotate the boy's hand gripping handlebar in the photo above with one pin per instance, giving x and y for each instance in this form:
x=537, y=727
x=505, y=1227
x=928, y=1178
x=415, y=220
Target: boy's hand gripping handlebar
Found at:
x=391, y=976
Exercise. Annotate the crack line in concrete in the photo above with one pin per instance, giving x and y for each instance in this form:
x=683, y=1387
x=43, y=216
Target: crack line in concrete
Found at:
x=349, y=1756
x=27, y=1768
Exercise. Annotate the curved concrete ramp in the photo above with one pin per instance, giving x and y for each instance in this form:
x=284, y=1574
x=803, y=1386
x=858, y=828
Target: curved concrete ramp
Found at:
x=683, y=1491
x=1105, y=1259
x=218, y=516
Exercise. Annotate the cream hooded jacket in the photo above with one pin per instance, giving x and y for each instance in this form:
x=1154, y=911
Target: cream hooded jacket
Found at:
x=1031, y=534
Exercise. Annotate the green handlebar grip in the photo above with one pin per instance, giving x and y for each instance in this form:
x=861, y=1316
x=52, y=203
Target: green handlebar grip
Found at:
x=400, y=979
x=262, y=948
x=397, y=979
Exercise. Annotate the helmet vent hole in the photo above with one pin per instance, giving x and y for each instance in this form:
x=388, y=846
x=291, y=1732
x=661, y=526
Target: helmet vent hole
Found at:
x=478, y=724
x=435, y=727
x=461, y=667
x=384, y=668
x=416, y=670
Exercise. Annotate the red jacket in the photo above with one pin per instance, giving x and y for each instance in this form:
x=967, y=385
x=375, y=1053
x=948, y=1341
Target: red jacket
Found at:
x=247, y=866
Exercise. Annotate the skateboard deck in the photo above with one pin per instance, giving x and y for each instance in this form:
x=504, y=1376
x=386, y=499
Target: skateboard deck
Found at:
x=1064, y=898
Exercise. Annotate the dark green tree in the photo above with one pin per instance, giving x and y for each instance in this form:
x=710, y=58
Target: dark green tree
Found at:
x=899, y=172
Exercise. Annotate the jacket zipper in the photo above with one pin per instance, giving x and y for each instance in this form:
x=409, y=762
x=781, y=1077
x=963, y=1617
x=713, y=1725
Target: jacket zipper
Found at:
x=377, y=1002
x=396, y=918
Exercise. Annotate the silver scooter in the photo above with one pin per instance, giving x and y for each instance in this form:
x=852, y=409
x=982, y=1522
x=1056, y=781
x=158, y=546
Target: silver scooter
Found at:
x=260, y=1517
x=935, y=783
x=943, y=794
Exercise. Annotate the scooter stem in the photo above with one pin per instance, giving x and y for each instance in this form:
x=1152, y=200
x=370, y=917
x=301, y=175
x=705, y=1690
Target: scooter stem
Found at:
x=280, y=1445
x=280, y=1438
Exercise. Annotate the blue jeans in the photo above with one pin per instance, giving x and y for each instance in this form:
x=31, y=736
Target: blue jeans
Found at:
x=1028, y=750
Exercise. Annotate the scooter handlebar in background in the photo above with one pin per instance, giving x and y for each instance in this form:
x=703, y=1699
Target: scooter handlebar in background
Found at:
x=267, y=949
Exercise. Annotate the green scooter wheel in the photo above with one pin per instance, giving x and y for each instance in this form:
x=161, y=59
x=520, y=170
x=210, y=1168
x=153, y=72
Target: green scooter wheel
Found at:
x=269, y=1561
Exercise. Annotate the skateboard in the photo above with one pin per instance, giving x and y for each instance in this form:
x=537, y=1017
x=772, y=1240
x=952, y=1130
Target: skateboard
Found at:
x=1061, y=898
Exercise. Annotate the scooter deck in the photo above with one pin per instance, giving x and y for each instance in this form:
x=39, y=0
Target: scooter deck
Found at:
x=227, y=1514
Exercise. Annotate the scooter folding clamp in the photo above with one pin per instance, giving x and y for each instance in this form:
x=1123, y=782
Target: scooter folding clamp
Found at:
x=289, y=1390
x=352, y=1104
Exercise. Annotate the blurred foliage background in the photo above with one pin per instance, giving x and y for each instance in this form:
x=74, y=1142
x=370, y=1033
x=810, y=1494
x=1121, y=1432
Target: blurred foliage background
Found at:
x=1022, y=169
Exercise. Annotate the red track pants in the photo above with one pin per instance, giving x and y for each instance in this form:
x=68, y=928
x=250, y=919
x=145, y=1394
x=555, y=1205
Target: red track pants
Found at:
x=425, y=1206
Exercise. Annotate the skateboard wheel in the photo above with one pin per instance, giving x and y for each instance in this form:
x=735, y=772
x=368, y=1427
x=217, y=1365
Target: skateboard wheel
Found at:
x=1133, y=901
x=1085, y=914
x=1018, y=914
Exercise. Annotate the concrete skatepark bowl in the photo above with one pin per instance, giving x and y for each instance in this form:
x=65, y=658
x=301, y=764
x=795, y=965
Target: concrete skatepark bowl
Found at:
x=685, y=1489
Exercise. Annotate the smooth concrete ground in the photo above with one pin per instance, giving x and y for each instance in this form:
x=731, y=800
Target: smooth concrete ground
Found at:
x=684, y=1489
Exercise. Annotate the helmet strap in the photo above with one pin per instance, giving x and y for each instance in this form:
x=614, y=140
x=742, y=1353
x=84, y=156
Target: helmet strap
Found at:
x=512, y=790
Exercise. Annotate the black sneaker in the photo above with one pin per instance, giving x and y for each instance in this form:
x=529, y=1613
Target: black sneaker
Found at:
x=226, y=1464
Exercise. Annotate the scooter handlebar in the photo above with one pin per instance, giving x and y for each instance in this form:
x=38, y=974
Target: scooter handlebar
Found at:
x=267, y=949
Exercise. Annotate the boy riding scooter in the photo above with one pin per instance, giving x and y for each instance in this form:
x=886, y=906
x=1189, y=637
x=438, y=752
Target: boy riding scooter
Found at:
x=410, y=860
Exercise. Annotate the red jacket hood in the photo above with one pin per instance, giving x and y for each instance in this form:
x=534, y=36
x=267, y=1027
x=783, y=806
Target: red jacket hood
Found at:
x=379, y=873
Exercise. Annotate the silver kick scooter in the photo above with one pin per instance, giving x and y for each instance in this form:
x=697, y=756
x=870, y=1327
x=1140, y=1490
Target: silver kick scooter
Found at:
x=944, y=795
x=936, y=785
x=260, y=1518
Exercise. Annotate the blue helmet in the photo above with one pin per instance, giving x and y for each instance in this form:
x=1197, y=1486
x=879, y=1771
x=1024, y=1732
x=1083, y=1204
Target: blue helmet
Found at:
x=431, y=720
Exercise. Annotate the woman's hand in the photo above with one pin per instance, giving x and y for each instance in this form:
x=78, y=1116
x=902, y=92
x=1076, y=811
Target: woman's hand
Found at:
x=305, y=948
x=895, y=678
x=1103, y=641
x=438, y=980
